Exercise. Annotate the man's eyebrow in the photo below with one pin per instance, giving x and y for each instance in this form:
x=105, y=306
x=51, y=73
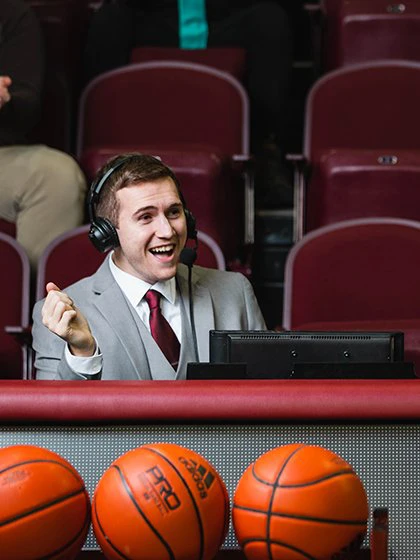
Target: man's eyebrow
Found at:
x=144, y=209
x=150, y=208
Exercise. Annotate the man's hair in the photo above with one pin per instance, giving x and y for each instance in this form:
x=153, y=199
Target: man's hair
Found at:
x=136, y=169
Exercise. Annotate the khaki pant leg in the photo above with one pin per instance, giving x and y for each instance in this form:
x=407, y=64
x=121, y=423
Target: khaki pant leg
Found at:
x=43, y=191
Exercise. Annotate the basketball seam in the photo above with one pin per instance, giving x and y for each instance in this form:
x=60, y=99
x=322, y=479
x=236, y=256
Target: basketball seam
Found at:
x=303, y=484
x=200, y=522
x=305, y=518
x=71, y=542
x=69, y=469
x=270, y=505
x=105, y=535
x=133, y=499
x=42, y=507
x=284, y=545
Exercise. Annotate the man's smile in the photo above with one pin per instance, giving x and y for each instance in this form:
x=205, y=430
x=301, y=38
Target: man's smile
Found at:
x=163, y=250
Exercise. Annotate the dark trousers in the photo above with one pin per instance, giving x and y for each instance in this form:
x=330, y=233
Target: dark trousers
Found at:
x=263, y=29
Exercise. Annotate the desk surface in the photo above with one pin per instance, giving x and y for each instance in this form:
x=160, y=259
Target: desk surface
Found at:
x=210, y=401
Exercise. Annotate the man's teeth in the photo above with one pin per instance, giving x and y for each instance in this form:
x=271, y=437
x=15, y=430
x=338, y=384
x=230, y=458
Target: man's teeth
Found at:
x=162, y=250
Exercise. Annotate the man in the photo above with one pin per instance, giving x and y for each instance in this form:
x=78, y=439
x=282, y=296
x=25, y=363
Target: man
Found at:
x=100, y=328
x=42, y=190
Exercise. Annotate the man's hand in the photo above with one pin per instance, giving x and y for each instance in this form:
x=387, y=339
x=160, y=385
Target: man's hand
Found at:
x=62, y=318
x=5, y=83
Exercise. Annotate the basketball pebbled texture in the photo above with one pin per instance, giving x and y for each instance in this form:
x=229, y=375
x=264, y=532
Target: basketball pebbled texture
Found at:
x=299, y=502
x=44, y=507
x=160, y=501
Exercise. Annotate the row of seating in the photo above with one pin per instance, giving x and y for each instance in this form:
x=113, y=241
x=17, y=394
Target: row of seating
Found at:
x=355, y=275
x=360, y=141
x=217, y=126
x=361, y=146
x=67, y=259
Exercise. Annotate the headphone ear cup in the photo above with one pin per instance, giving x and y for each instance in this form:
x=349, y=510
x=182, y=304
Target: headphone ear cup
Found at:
x=191, y=225
x=103, y=235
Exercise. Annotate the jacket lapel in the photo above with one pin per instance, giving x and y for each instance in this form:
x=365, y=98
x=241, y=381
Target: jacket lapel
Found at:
x=115, y=309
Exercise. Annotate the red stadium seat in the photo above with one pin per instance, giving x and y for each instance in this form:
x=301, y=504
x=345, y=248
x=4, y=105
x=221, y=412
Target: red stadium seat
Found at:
x=230, y=59
x=195, y=117
x=67, y=259
x=359, y=31
x=209, y=253
x=14, y=314
x=8, y=227
x=72, y=257
x=349, y=184
x=357, y=275
x=354, y=116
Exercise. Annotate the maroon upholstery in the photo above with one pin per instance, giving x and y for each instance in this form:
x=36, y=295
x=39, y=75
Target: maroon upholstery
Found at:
x=8, y=227
x=215, y=401
x=230, y=59
x=172, y=103
x=197, y=128
x=348, y=184
x=14, y=310
x=370, y=106
x=363, y=30
x=72, y=256
x=359, y=270
x=364, y=110
x=67, y=259
x=357, y=275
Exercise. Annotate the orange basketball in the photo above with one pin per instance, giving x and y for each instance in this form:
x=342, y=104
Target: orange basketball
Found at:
x=159, y=502
x=44, y=507
x=298, y=502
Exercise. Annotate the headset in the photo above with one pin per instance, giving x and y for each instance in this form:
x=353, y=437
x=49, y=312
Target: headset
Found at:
x=103, y=234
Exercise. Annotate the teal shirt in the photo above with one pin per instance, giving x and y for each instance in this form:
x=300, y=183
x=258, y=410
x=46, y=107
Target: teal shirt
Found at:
x=193, y=27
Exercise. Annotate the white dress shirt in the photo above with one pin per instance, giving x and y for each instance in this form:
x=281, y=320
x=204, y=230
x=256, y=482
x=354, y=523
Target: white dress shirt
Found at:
x=134, y=289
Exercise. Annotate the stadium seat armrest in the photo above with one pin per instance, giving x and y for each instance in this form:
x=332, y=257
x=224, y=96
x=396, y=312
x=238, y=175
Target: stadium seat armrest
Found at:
x=22, y=334
x=312, y=8
x=246, y=165
x=301, y=170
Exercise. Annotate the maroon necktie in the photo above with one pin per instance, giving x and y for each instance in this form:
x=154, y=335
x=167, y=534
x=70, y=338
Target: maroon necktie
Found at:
x=161, y=329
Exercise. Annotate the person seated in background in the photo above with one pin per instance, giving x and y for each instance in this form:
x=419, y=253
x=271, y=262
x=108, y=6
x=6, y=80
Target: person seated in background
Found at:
x=112, y=325
x=42, y=190
x=262, y=27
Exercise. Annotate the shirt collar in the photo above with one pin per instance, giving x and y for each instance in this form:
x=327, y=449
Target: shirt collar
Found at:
x=135, y=288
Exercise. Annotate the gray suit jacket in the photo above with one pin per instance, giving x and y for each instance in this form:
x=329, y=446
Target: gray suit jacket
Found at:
x=221, y=300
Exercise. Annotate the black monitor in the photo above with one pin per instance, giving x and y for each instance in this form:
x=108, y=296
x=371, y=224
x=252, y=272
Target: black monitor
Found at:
x=274, y=355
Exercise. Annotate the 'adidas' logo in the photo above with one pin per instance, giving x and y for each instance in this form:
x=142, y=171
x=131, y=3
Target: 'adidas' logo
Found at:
x=202, y=477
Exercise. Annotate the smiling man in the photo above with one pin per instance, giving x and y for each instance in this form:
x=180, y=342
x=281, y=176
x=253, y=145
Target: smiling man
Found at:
x=132, y=318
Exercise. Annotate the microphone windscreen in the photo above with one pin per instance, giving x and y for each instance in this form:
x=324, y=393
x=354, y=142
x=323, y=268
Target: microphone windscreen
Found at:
x=188, y=256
